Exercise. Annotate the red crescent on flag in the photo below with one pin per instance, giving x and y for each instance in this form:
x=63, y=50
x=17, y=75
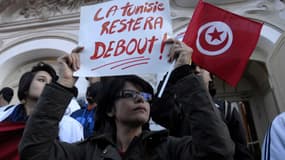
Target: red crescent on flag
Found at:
x=205, y=45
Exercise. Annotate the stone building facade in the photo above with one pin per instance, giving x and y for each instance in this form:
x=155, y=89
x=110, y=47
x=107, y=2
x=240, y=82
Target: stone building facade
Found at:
x=41, y=30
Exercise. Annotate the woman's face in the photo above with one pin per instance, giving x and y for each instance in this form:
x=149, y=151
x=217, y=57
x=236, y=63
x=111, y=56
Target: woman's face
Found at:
x=131, y=108
x=38, y=83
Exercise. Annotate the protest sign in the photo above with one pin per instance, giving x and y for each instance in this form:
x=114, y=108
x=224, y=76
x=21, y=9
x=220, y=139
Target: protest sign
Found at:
x=124, y=37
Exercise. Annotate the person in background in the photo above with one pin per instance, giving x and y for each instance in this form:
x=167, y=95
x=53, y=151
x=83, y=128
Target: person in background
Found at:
x=6, y=95
x=31, y=85
x=92, y=80
x=229, y=114
x=121, y=124
x=273, y=147
x=172, y=109
x=86, y=115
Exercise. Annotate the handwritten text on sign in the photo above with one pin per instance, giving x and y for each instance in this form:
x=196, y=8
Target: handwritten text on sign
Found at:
x=124, y=37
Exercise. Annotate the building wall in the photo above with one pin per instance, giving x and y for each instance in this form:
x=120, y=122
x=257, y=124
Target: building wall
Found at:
x=32, y=31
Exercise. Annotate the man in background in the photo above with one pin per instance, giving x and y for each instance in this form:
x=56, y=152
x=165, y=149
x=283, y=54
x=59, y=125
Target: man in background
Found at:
x=86, y=115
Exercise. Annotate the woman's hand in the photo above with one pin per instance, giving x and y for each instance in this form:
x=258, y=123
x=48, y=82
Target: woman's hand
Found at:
x=179, y=51
x=68, y=64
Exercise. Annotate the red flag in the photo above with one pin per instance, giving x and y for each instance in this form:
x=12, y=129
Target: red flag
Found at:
x=222, y=42
x=10, y=136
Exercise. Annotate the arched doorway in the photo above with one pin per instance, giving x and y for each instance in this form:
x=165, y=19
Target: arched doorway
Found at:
x=255, y=94
x=18, y=57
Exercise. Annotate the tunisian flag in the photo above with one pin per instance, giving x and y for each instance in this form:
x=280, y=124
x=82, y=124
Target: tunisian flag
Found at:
x=222, y=41
x=10, y=136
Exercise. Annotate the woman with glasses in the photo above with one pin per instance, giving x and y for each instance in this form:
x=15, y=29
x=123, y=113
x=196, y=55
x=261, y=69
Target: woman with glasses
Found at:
x=122, y=117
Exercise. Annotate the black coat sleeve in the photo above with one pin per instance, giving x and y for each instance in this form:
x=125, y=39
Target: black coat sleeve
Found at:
x=186, y=108
x=167, y=110
x=39, y=140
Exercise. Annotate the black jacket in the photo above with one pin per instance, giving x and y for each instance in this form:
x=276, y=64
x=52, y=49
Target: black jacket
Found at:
x=210, y=140
x=171, y=112
x=237, y=131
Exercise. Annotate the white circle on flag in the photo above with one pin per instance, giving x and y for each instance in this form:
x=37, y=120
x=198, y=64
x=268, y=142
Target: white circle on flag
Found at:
x=214, y=38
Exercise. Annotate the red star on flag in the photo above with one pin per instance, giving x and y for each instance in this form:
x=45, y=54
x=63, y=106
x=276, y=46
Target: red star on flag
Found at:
x=216, y=35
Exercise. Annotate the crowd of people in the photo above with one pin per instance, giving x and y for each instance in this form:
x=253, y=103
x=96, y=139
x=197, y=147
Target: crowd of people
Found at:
x=113, y=123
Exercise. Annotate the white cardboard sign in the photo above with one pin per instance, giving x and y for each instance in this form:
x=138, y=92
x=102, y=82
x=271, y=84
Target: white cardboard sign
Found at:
x=124, y=37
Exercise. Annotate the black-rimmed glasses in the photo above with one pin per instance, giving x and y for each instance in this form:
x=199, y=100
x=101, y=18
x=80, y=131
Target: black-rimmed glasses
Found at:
x=135, y=95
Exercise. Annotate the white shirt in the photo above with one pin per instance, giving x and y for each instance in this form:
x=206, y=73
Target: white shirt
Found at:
x=4, y=114
x=70, y=130
x=72, y=106
x=274, y=142
x=154, y=126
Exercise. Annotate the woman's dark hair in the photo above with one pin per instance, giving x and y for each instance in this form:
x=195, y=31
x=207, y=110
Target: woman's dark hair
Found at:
x=41, y=66
x=108, y=95
x=27, y=78
x=24, y=85
x=93, y=92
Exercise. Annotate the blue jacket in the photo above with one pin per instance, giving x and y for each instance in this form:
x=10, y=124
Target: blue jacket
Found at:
x=87, y=119
x=18, y=115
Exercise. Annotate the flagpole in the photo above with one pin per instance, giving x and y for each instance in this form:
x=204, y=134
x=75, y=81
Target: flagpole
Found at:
x=166, y=79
